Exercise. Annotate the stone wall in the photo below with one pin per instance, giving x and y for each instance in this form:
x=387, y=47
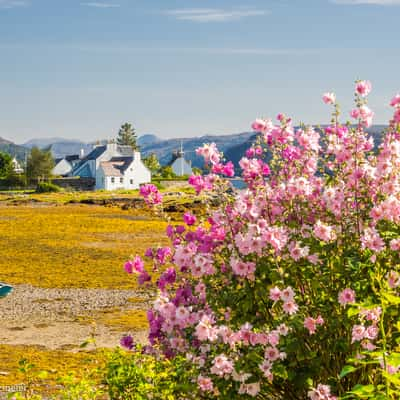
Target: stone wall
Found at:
x=79, y=184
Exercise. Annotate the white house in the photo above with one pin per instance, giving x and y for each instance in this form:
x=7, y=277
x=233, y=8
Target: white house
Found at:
x=114, y=167
x=64, y=166
x=122, y=173
x=16, y=166
x=181, y=167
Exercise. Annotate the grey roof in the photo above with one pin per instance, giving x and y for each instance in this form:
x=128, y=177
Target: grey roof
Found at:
x=93, y=155
x=116, y=166
x=125, y=150
x=72, y=157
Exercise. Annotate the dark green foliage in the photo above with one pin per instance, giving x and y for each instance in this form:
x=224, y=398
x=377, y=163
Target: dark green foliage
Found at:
x=39, y=164
x=167, y=172
x=136, y=376
x=127, y=136
x=6, y=165
x=47, y=187
x=151, y=162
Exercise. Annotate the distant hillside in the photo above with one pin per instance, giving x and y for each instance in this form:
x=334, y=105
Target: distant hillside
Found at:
x=45, y=142
x=13, y=149
x=165, y=148
x=147, y=140
x=233, y=146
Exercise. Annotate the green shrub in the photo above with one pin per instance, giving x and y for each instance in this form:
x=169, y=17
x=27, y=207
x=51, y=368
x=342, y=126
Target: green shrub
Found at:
x=47, y=187
x=137, y=376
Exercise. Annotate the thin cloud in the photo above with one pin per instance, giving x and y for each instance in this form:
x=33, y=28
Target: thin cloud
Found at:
x=214, y=14
x=6, y=4
x=222, y=51
x=368, y=2
x=98, y=4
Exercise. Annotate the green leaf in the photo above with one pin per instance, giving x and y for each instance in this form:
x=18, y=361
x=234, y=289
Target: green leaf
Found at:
x=347, y=369
x=392, y=299
x=352, y=311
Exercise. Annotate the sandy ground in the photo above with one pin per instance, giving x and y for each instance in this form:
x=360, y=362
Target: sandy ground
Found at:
x=58, y=318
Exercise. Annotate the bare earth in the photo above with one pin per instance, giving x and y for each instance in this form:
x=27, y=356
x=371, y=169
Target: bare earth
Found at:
x=58, y=318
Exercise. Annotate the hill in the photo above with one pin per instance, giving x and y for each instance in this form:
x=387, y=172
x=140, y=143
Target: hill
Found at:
x=165, y=148
x=233, y=146
x=13, y=149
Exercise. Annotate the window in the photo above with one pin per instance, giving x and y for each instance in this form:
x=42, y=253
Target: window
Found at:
x=131, y=181
x=112, y=180
x=121, y=180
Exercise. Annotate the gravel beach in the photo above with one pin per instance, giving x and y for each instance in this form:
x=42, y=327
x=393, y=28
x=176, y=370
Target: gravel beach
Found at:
x=49, y=317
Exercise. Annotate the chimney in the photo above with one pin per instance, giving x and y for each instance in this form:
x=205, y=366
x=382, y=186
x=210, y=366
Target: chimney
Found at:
x=136, y=155
x=112, y=147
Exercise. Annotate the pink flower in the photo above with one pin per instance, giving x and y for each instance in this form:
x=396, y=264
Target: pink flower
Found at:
x=151, y=194
x=210, y=153
x=134, y=266
x=395, y=244
x=242, y=268
x=329, y=98
x=290, y=307
x=363, y=88
x=275, y=294
x=252, y=389
x=324, y=232
x=228, y=169
x=358, y=333
x=222, y=365
x=371, y=332
x=287, y=294
x=272, y=354
x=205, y=384
x=189, y=219
x=371, y=240
x=393, y=278
x=355, y=113
x=205, y=330
x=311, y=324
x=347, y=296
x=395, y=101
x=261, y=125
x=322, y=392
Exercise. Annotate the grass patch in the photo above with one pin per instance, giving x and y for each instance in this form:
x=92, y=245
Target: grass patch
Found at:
x=73, y=246
x=57, y=363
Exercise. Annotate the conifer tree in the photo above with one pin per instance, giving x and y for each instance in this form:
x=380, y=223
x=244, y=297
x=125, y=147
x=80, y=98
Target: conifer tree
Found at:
x=127, y=136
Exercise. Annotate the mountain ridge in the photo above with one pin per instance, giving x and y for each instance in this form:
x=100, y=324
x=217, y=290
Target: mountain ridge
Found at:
x=232, y=145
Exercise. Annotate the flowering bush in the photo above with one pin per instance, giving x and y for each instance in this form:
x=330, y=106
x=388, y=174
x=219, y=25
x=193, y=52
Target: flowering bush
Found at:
x=289, y=290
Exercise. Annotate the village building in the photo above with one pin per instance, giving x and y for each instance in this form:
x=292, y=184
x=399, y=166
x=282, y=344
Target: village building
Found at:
x=64, y=166
x=113, y=167
x=17, y=167
x=180, y=166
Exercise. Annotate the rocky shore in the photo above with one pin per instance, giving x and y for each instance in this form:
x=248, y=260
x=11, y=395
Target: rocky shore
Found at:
x=58, y=318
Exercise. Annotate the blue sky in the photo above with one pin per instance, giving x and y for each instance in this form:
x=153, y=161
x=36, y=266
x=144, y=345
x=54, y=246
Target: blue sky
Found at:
x=177, y=68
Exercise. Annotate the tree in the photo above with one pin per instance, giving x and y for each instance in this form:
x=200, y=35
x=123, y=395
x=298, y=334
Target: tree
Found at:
x=6, y=165
x=39, y=164
x=167, y=172
x=151, y=162
x=197, y=171
x=127, y=136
